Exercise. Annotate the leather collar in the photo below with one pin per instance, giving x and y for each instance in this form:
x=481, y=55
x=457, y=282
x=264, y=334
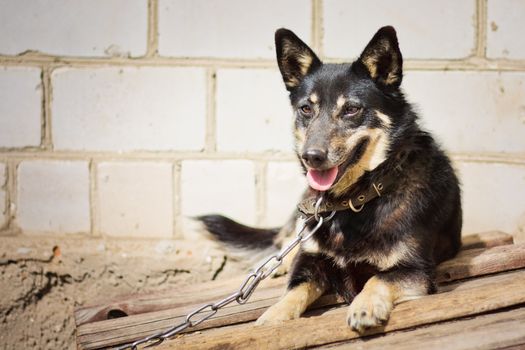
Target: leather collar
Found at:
x=355, y=202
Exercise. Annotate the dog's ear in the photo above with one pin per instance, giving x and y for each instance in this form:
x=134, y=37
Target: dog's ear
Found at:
x=382, y=58
x=294, y=57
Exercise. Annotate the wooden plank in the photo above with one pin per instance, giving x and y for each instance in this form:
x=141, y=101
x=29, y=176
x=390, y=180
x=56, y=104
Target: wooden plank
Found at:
x=126, y=329
x=180, y=296
x=467, y=299
x=137, y=304
x=486, y=240
x=116, y=331
x=493, y=331
x=478, y=262
x=164, y=300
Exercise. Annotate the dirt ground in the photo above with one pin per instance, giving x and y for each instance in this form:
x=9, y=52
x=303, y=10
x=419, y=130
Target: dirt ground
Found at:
x=42, y=280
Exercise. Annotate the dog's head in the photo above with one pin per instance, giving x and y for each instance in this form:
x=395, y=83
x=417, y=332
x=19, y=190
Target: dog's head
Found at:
x=345, y=113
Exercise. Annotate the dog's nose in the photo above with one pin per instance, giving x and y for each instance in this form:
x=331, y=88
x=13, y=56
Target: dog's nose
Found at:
x=314, y=157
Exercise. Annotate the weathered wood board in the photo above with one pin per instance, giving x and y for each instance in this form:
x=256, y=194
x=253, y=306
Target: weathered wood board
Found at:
x=461, y=300
x=138, y=304
x=499, y=330
x=153, y=312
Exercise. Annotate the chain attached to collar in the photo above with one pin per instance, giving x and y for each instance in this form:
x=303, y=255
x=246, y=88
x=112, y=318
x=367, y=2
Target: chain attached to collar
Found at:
x=245, y=291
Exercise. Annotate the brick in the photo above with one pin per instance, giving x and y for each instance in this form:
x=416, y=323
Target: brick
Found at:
x=223, y=187
x=20, y=107
x=228, y=28
x=53, y=197
x=471, y=111
x=135, y=199
x=255, y=119
x=3, y=203
x=493, y=196
x=92, y=28
x=505, y=18
x=349, y=25
x=285, y=184
x=125, y=109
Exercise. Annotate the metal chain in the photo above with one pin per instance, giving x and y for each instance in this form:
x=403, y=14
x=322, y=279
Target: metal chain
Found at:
x=241, y=296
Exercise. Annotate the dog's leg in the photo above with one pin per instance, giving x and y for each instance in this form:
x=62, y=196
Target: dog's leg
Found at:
x=372, y=306
x=286, y=235
x=308, y=281
x=293, y=304
x=287, y=261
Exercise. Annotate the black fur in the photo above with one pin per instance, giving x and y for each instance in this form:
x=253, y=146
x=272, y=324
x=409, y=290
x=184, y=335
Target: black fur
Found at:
x=238, y=235
x=419, y=218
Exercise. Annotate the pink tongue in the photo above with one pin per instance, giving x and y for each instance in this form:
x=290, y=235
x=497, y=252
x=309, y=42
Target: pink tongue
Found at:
x=321, y=180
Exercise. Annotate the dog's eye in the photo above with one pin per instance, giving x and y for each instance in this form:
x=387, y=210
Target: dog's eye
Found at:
x=306, y=110
x=350, y=111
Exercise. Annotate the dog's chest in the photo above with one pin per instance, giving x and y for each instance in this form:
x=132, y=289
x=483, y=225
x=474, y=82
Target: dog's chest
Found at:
x=348, y=251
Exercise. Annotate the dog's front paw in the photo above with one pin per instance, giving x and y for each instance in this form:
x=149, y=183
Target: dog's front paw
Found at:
x=278, y=313
x=368, y=310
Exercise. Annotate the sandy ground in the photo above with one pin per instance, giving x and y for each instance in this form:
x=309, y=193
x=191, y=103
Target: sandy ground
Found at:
x=43, y=279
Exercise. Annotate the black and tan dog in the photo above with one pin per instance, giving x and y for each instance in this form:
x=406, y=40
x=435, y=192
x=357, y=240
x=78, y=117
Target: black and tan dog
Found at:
x=397, y=199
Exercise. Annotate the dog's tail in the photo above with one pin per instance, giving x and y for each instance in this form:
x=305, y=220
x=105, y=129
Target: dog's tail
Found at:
x=239, y=236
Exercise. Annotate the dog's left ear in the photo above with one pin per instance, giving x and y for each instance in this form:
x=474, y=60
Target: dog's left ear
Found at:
x=294, y=57
x=382, y=58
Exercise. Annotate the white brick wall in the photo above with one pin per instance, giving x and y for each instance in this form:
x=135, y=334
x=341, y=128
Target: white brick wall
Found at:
x=74, y=27
x=472, y=111
x=285, y=185
x=228, y=28
x=127, y=116
x=20, y=106
x=3, y=199
x=226, y=187
x=53, y=197
x=135, y=199
x=125, y=109
x=493, y=196
x=427, y=29
x=257, y=121
x=505, y=29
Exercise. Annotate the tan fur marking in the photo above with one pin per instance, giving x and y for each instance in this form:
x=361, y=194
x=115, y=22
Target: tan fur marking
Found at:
x=371, y=57
x=337, y=143
x=370, y=61
x=338, y=239
x=305, y=61
x=387, y=121
x=314, y=98
x=299, y=135
x=286, y=234
x=310, y=246
x=393, y=217
x=288, y=259
x=371, y=65
x=341, y=100
x=402, y=251
x=290, y=51
x=293, y=303
x=374, y=155
x=380, y=147
x=391, y=79
x=291, y=81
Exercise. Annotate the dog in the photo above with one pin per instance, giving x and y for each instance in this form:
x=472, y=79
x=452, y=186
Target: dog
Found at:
x=394, y=195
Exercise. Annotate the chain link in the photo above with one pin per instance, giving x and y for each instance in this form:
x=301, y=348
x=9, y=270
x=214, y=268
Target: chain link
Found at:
x=241, y=296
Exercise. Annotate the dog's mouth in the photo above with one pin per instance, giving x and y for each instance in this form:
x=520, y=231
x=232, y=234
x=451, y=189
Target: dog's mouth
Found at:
x=324, y=179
